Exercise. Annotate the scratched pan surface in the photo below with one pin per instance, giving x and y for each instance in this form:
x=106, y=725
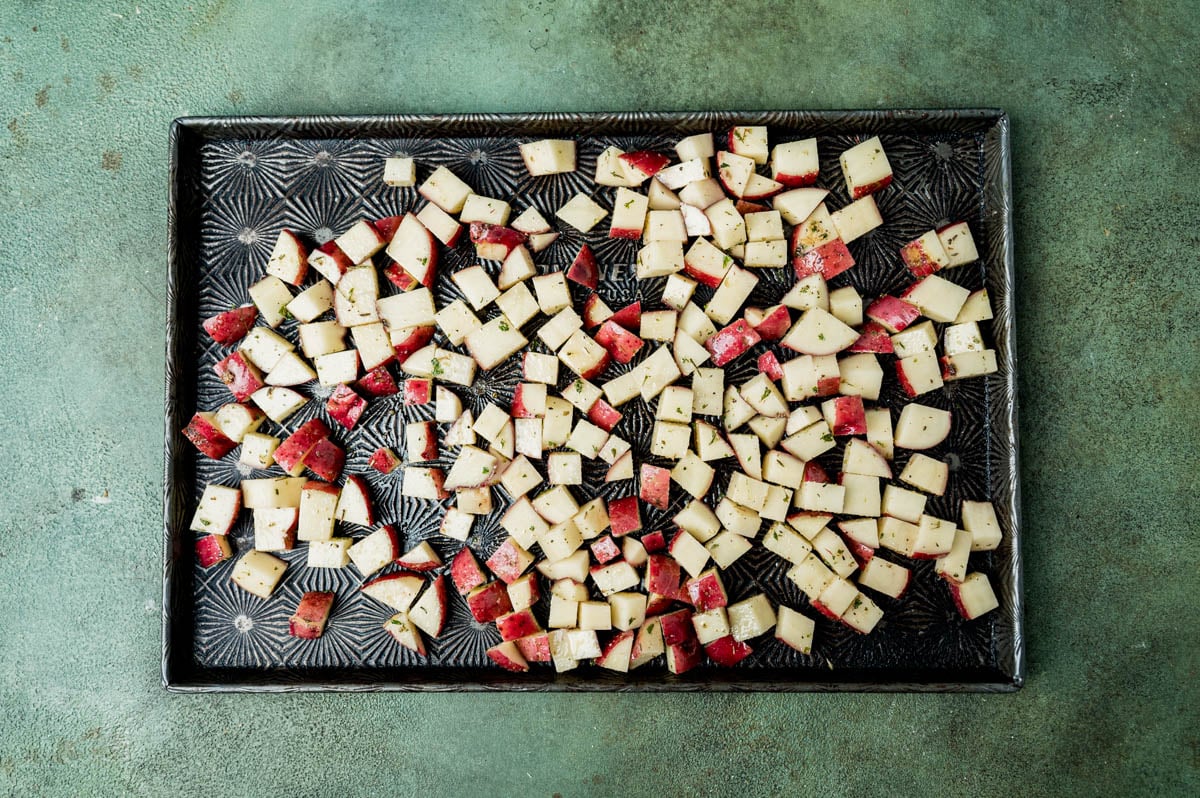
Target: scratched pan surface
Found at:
x=235, y=182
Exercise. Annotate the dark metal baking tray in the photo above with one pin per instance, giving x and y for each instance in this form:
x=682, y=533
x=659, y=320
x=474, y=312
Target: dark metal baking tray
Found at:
x=234, y=182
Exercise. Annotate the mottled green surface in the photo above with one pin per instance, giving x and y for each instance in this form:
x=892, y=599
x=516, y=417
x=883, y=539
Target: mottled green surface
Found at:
x=1104, y=106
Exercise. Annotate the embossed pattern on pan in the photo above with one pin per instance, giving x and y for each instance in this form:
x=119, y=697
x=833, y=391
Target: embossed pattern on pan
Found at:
x=235, y=182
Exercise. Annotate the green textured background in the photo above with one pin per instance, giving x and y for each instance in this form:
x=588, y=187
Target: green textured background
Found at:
x=1104, y=104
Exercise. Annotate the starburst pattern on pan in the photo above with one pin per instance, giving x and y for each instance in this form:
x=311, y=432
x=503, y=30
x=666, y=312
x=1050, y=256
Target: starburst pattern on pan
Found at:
x=239, y=232
x=243, y=166
x=489, y=165
x=326, y=168
x=237, y=628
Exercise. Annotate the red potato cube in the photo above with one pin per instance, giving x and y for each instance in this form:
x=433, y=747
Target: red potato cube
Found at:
x=620, y=342
x=396, y=275
x=291, y=453
x=411, y=340
x=508, y=656
x=624, y=515
x=595, y=311
x=656, y=604
x=770, y=324
x=727, y=651
x=617, y=654
x=584, y=269
x=466, y=572
x=646, y=162
x=415, y=252
x=892, y=314
x=397, y=591
x=973, y=596
x=420, y=558
x=516, y=625
x=769, y=364
x=208, y=438
x=239, y=375
x=494, y=241
x=523, y=593
x=529, y=400
x=535, y=648
x=232, y=325
x=418, y=391
x=387, y=226
x=311, y=615
x=378, y=382
x=707, y=591
x=829, y=259
x=925, y=255
x=873, y=338
x=654, y=541
x=662, y=575
x=677, y=627
x=655, y=486
x=345, y=406
x=731, y=342
x=404, y=631
x=212, y=549
x=862, y=553
x=326, y=460
x=420, y=441
x=813, y=472
x=849, y=416
x=604, y=415
x=509, y=562
x=682, y=657
x=629, y=317
x=488, y=602
x=354, y=502
x=605, y=550
x=330, y=261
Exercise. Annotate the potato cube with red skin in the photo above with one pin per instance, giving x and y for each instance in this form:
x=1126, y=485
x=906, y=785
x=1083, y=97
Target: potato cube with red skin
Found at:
x=239, y=375
x=682, y=657
x=409, y=340
x=420, y=441
x=291, y=454
x=494, y=241
x=892, y=314
x=326, y=460
x=655, y=486
x=524, y=592
x=829, y=260
x=212, y=549
x=605, y=550
x=517, y=624
x=770, y=324
x=378, y=382
x=731, y=342
x=646, y=162
x=508, y=656
x=925, y=255
x=231, y=326
x=629, y=317
x=656, y=604
x=345, y=406
x=384, y=460
x=465, y=571
x=584, y=270
x=535, y=648
x=529, y=400
x=418, y=391
x=677, y=627
x=707, y=591
x=873, y=338
x=654, y=541
x=846, y=415
x=622, y=344
x=973, y=596
x=624, y=515
x=662, y=575
x=604, y=415
x=509, y=562
x=727, y=651
x=595, y=311
x=204, y=434
x=769, y=364
x=311, y=615
x=488, y=602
